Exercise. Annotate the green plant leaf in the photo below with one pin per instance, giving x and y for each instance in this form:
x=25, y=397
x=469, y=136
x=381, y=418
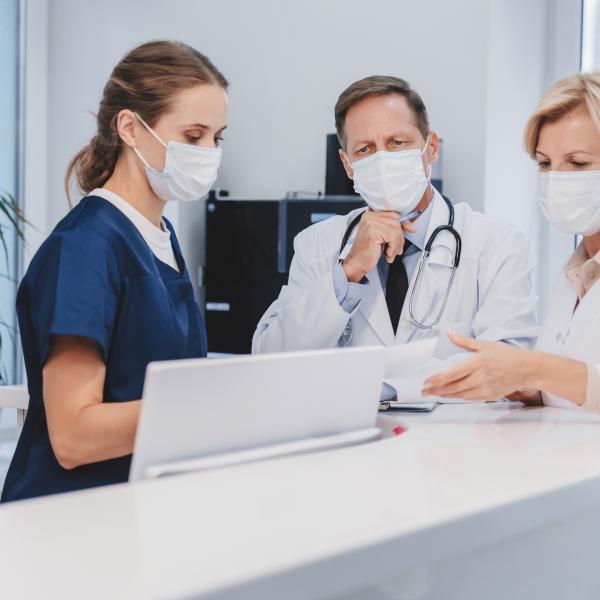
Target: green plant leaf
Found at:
x=13, y=213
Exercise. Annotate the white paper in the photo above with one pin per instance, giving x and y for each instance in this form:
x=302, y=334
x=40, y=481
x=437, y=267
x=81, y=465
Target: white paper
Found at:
x=407, y=386
x=445, y=348
x=409, y=365
x=404, y=360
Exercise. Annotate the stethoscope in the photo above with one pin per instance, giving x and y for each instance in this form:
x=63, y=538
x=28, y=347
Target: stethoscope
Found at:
x=347, y=335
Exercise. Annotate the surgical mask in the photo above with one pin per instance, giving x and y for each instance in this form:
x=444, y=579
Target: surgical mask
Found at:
x=393, y=181
x=189, y=171
x=571, y=200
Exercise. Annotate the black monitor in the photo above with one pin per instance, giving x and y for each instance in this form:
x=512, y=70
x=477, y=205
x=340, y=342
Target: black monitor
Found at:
x=337, y=182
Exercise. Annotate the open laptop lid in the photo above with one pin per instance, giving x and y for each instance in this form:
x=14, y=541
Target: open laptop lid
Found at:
x=206, y=407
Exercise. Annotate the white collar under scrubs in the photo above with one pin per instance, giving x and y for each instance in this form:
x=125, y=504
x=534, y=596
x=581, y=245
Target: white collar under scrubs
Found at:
x=159, y=240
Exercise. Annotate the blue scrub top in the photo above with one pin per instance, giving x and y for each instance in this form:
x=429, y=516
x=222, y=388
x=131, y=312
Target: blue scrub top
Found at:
x=95, y=276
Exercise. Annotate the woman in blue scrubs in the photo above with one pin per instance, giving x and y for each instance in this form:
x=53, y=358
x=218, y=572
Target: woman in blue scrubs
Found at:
x=108, y=291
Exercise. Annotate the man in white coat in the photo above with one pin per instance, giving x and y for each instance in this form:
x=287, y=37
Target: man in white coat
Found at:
x=352, y=279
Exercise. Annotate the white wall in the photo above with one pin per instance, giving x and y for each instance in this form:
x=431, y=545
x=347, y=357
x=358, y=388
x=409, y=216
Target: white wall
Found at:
x=516, y=79
x=531, y=44
x=287, y=63
x=480, y=66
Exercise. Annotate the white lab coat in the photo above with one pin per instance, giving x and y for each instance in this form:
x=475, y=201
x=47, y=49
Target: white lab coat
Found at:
x=493, y=289
x=572, y=333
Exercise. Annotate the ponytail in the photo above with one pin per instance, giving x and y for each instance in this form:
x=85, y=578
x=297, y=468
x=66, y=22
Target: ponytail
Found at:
x=94, y=164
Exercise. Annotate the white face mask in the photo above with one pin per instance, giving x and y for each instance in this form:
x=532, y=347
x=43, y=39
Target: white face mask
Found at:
x=571, y=200
x=391, y=180
x=189, y=171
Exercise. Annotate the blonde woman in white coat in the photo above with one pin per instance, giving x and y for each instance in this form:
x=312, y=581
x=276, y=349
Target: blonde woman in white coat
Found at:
x=563, y=136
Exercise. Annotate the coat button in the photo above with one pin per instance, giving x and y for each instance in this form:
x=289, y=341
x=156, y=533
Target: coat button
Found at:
x=559, y=336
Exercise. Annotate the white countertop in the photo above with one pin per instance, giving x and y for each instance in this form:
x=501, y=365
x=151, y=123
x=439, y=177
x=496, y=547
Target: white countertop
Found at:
x=463, y=478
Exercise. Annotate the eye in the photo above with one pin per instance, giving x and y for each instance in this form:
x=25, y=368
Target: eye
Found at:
x=218, y=141
x=579, y=165
x=362, y=150
x=193, y=139
x=400, y=142
x=543, y=164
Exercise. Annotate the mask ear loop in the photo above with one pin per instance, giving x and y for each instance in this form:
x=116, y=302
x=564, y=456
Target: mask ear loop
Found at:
x=139, y=155
x=423, y=152
x=154, y=134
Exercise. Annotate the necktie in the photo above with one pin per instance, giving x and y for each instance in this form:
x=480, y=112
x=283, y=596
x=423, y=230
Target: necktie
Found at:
x=396, y=287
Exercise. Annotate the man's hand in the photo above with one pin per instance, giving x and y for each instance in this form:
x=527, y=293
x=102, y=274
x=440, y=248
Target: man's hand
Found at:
x=378, y=232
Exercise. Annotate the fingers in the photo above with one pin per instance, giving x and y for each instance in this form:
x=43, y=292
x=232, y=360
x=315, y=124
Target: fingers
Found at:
x=383, y=219
x=469, y=388
x=529, y=397
x=381, y=229
x=391, y=251
x=377, y=233
x=391, y=237
x=445, y=390
x=388, y=214
x=451, y=376
x=468, y=343
x=456, y=389
x=475, y=394
x=396, y=217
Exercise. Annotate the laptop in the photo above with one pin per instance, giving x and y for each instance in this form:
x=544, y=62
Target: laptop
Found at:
x=207, y=413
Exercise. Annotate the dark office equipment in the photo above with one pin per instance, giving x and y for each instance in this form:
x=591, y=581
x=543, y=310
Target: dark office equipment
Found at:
x=249, y=248
x=336, y=180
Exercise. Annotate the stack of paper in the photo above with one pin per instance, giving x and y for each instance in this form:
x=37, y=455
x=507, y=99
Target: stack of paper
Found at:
x=409, y=365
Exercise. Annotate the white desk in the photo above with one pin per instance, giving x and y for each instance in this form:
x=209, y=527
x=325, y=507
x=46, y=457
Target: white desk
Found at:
x=486, y=502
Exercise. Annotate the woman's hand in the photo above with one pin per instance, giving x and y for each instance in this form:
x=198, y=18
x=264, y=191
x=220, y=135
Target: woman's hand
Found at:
x=527, y=397
x=495, y=370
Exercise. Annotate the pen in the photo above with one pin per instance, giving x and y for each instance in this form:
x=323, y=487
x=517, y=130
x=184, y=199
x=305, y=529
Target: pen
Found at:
x=412, y=215
x=408, y=217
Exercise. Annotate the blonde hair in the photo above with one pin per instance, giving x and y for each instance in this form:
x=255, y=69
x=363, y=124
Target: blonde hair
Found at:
x=561, y=98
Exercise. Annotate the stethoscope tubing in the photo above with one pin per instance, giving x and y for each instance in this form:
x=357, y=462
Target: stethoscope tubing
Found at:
x=449, y=227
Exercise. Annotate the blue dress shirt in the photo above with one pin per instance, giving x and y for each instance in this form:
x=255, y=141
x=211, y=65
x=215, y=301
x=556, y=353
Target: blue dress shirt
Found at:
x=350, y=294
